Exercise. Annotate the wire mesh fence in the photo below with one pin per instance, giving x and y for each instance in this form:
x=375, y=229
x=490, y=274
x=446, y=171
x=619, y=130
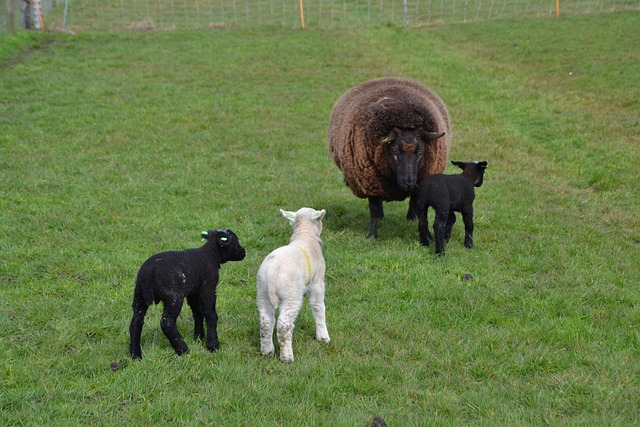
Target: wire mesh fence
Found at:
x=116, y=15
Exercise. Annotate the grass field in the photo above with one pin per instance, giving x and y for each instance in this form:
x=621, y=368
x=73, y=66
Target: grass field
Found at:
x=112, y=15
x=117, y=146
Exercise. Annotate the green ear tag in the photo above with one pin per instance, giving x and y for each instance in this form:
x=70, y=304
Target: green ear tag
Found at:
x=224, y=239
x=204, y=235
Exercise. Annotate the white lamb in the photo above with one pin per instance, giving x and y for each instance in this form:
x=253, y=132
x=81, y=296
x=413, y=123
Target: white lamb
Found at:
x=285, y=276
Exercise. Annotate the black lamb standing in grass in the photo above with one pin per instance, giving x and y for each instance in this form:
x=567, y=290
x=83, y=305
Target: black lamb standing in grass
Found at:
x=171, y=276
x=448, y=194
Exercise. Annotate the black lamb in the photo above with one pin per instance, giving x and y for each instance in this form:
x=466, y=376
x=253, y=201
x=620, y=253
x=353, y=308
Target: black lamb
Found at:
x=171, y=276
x=448, y=194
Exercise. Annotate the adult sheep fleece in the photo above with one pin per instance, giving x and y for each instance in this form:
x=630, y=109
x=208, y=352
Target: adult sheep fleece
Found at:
x=386, y=135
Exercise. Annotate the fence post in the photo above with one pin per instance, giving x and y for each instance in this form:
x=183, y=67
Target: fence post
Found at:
x=40, y=22
x=557, y=8
x=9, y=4
x=66, y=9
x=302, y=14
x=406, y=14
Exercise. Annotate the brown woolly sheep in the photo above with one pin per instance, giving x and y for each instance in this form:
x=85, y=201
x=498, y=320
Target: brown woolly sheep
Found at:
x=386, y=135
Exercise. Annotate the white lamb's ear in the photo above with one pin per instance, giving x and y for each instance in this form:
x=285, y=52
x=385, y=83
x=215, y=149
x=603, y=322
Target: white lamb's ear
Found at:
x=291, y=216
x=319, y=214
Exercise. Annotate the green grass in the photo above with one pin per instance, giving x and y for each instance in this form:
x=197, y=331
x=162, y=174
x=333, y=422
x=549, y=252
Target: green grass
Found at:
x=117, y=146
x=111, y=15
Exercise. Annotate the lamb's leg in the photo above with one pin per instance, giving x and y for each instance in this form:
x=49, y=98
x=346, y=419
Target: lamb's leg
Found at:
x=413, y=202
x=198, y=317
x=168, y=324
x=266, y=313
x=375, y=212
x=135, y=329
x=467, y=217
x=208, y=303
x=439, y=230
x=423, y=227
x=447, y=230
x=316, y=300
x=286, y=323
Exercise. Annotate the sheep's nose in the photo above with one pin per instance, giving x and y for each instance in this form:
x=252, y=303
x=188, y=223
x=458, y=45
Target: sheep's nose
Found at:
x=407, y=184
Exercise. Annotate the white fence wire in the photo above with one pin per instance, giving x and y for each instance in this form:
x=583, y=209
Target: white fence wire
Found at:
x=114, y=15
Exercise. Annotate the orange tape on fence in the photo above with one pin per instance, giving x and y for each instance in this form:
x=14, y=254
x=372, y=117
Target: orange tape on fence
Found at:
x=302, y=14
x=40, y=14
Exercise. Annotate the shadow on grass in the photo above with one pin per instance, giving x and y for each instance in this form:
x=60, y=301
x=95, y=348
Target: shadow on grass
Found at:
x=353, y=218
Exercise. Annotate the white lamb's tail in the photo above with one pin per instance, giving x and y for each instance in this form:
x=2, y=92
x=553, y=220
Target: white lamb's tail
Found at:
x=274, y=299
x=266, y=292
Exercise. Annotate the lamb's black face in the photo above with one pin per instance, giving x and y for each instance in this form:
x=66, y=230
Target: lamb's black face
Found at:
x=481, y=168
x=473, y=171
x=230, y=246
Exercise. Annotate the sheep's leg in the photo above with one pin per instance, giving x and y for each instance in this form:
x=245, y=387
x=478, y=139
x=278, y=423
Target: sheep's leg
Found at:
x=168, y=324
x=135, y=329
x=375, y=212
x=266, y=313
x=286, y=323
x=316, y=300
x=447, y=230
x=413, y=206
x=439, y=229
x=467, y=217
x=423, y=227
x=198, y=317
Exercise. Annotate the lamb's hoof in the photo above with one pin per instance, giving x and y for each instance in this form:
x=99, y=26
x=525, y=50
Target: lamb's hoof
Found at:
x=324, y=339
x=214, y=347
x=183, y=349
x=267, y=353
x=286, y=359
x=136, y=356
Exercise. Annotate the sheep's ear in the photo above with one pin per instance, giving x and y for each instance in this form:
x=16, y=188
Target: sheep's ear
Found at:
x=319, y=214
x=204, y=235
x=459, y=164
x=223, y=239
x=393, y=135
x=291, y=216
x=483, y=165
x=431, y=136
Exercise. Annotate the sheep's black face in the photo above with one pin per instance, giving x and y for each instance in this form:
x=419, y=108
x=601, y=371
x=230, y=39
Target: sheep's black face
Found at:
x=406, y=151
